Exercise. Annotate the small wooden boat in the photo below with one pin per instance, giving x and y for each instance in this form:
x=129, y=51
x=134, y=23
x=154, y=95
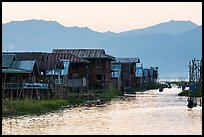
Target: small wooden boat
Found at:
x=160, y=89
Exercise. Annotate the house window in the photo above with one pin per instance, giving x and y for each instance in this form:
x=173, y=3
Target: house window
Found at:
x=99, y=77
x=98, y=64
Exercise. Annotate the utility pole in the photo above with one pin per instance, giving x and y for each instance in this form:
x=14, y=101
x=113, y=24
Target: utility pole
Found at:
x=195, y=70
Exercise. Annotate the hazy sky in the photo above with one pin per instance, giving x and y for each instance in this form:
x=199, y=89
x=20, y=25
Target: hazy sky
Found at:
x=104, y=16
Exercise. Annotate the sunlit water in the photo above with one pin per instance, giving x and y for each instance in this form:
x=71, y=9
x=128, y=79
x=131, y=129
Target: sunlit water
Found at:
x=148, y=113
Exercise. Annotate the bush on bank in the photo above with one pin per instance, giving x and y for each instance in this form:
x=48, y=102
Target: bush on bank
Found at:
x=181, y=83
x=147, y=87
x=196, y=93
x=109, y=94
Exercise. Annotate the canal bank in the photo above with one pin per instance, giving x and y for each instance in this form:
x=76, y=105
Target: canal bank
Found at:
x=146, y=113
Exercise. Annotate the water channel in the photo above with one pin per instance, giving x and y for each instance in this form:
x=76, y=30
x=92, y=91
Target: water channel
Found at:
x=148, y=113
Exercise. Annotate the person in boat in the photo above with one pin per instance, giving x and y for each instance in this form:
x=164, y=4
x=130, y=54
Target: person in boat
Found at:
x=122, y=89
x=192, y=89
x=190, y=102
x=183, y=87
x=160, y=89
x=169, y=85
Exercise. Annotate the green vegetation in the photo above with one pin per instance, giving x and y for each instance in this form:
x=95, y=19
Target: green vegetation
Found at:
x=180, y=83
x=29, y=107
x=150, y=86
x=156, y=86
x=37, y=107
x=196, y=93
x=74, y=98
x=109, y=94
x=184, y=93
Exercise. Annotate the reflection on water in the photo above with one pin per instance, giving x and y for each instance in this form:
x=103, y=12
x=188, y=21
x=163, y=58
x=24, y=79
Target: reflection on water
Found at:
x=148, y=113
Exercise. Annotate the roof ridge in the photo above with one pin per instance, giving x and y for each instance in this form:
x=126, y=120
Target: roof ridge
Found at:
x=71, y=55
x=86, y=53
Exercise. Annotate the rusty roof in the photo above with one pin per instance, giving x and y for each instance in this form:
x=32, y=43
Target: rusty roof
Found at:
x=86, y=53
x=51, y=64
x=67, y=56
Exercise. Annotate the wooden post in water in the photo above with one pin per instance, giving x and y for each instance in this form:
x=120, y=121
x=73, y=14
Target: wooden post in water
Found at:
x=200, y=101
x=11, y=94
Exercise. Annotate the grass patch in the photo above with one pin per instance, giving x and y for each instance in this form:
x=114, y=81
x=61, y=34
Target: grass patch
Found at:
x=109, y=94
x=156, y=86
x=184, y=93
x=181, y=83
x=31, y=107
x=37, y=107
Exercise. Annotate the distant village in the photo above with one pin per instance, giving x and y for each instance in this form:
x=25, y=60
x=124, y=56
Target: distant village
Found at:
x=44, y=75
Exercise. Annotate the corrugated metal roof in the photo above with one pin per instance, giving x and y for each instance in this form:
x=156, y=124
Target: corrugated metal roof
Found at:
x=11, y=70
x=29, y=55
x=67, y=56
x=86, y=53
x=126, y=60
x=23, y=65
x=7, y=60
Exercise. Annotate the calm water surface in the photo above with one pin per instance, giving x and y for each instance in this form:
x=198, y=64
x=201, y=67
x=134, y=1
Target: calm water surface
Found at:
x=148, y=113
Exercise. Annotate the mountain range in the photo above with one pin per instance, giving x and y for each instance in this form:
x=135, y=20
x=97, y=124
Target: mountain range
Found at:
x=168, y=45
